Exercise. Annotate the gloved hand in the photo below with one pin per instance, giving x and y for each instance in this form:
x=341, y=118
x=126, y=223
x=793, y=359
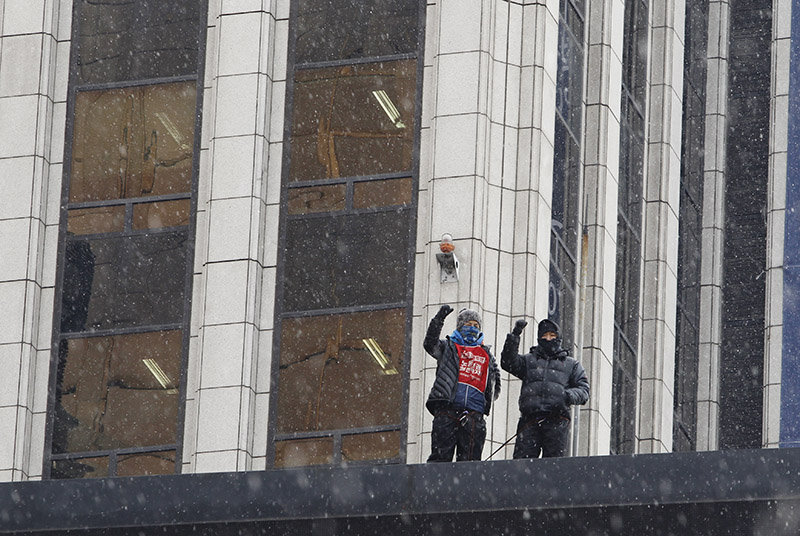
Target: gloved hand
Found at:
x=519, y=325
x=444, y=310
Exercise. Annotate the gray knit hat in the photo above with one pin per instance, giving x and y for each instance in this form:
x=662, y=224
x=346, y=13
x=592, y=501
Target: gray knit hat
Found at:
x=465, y=315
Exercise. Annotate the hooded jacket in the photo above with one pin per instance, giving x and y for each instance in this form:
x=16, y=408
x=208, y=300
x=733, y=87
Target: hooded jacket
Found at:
x=445, y=385
x=550, y=384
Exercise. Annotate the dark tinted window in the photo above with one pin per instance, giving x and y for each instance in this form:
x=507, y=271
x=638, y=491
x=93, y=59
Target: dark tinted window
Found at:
x=342, y=261
x=745, y=245
x=347, y=29
x=124, y=282
x=690, y=227
x=123, y=40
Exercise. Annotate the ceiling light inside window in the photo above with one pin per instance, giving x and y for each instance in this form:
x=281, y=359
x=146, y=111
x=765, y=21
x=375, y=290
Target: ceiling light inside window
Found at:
x=389, y=107
x=378, y=355
x=160, y=376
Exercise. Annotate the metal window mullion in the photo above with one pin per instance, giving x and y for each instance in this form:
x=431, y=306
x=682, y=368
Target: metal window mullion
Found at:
x=129, y=201
x=109, y=452
x=354, y=61
x=110, y=332
x=80, y=88
x=129, y=233
x=353, y=212
x=354, y=178
x=342, y=310
x=341, y=432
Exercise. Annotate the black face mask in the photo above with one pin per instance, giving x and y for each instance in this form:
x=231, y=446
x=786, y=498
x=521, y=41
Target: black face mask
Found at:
x=550, y=348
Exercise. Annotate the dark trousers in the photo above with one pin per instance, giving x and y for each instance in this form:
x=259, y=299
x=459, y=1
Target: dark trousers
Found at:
x=541, y=434
x=457, y=432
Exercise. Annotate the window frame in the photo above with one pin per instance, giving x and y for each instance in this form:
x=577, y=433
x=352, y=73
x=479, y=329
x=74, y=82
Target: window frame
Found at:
x=273, y=436
x=73, y=88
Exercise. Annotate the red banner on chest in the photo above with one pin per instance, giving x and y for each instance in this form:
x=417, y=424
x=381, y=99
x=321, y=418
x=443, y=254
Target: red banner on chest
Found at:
x=473, y=366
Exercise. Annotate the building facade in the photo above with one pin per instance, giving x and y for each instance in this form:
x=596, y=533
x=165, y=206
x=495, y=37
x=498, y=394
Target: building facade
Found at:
x=220, y=223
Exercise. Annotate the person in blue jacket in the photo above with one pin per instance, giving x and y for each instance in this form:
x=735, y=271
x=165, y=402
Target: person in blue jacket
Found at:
x=467, y=381
x=552, y=381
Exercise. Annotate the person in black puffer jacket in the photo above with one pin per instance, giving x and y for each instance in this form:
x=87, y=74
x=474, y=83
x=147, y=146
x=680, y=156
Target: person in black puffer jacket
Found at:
x=467, y=381
x=552, y=381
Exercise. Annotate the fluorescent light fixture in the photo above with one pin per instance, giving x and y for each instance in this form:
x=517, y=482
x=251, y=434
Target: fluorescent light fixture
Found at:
x=172, y=130
x=388, y=107
x=378, y=355
x=160, y=376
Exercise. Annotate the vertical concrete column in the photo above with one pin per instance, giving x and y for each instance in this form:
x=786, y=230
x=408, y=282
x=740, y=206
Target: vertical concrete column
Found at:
x=601, y=168
x=712, y=227
x=228, y=380
x=489, y=99
x=660, y=231
x=34, y=67
x=776, y=218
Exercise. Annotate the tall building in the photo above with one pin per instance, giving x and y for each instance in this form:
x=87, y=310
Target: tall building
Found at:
x=220, y=220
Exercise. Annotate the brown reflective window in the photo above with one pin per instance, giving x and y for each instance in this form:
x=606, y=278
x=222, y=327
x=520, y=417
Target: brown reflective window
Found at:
x=302, y=452
x=357, y=31
x=80, y=468
x=117, y=392
x=375, y=446
x=317, y=199
x=138, y=39
x=382, y=193
x=85, y=221
x=340, y=261
x=148, y=463
x=133, y=142
x=123, y=282
x=161, y=214
x=353, y=120
x=341, y=371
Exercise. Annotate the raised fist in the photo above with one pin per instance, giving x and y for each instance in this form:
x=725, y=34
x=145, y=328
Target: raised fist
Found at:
x=444, y=310
x=519, y=325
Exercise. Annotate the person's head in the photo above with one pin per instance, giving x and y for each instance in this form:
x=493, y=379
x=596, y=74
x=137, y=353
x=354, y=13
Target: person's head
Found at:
x=468, y=324
x=549, y=336
x=468, y=317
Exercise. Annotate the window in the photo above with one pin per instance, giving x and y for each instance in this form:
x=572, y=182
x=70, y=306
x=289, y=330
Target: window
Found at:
x=741, y=386
x=690, y=228
x=567, y=162
x=350, y=176
x=629, y=228
x=126, y=247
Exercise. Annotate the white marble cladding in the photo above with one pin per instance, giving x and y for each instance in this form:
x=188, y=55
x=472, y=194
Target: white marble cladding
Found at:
x=776, y=209
x=660, y=229
x=485, y=177
x=713, y=227
x=34, y=54
x=237, y=224
x=488, y=120
x=605, y=24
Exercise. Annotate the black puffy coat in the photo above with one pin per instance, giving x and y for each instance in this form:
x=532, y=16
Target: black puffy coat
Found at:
x=549, y=384
x=444, y=386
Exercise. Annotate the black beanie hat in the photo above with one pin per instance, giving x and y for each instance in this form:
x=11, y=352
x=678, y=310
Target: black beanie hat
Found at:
x=547, y=325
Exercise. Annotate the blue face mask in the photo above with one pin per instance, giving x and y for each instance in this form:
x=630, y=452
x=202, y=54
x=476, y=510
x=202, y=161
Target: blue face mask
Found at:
x=470, y=334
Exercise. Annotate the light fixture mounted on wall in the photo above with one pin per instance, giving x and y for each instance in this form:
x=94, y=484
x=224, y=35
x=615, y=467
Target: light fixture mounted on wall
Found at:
x=447, y=259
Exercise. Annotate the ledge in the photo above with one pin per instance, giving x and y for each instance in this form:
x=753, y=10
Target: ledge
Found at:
x=687, y=486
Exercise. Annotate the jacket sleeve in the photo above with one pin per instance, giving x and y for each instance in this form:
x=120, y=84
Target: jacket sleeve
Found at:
x=495, y=375
x=510, y=360
x=432, y=344
x=578, y=390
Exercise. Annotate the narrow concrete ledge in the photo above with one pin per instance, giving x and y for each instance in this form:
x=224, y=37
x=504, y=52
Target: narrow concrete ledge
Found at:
x=688, y=492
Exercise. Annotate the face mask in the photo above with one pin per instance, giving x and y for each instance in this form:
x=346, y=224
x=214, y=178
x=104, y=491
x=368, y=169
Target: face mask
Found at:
x=550, y=347
x=470, y=334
